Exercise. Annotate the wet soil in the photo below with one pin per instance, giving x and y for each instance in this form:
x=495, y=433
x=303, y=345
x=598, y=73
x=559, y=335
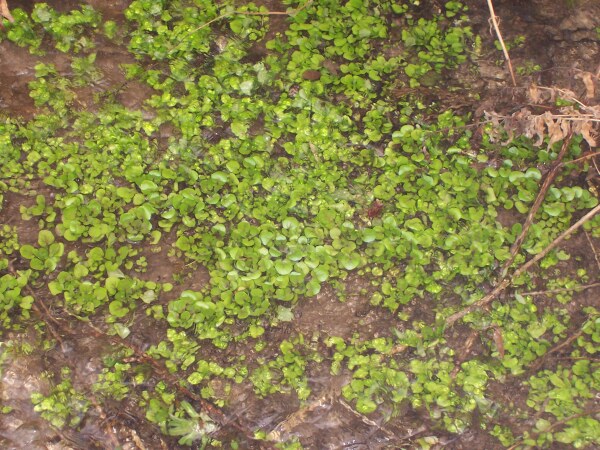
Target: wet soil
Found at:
x=563, y=45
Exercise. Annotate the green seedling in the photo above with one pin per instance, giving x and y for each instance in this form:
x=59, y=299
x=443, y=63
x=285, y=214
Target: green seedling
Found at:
x=45, y=257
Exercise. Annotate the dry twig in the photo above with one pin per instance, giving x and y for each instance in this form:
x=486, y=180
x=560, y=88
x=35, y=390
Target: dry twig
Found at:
x=561, y=290
x=596, y=257
x=521, y=270
x=504, y=50
x=534, y=368
x=536, y=206
x=557, y=424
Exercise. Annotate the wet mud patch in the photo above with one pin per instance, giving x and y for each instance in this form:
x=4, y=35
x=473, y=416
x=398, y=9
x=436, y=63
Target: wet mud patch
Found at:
x=20, y=377
x=334, y=313
x=11, y=213
x=16, y=66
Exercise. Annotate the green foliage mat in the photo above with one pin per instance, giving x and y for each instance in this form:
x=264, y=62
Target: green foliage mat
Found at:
x=283, y=159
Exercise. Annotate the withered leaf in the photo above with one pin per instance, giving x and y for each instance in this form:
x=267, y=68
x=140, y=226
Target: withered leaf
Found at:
x=498, y=341
x=588, y=81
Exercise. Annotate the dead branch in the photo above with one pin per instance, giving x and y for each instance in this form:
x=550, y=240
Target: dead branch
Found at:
x=596, y=257
x=582, y=158
x=555, y=349
x=521, y=270
x=589, y=412
x=536, y=206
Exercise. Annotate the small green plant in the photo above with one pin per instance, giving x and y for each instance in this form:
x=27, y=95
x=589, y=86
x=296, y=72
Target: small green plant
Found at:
x=63, y=406
x=45, y=257
x=529, y=68
x=68, y=30
x=181, y=421
x=190, y=426
x=287, y=370
x=517, y=42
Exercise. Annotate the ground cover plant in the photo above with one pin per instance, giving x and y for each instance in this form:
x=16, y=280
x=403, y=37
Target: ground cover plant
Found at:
x=283, y=225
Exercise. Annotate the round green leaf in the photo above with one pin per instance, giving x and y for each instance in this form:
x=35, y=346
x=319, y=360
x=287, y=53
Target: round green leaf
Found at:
x=27, y=251
x=313, y=287
x=349, y=262
x=45, y=238
x=284, y=267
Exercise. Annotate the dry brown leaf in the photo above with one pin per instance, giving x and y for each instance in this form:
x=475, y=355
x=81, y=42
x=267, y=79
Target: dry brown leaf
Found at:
x=588, y=81
x=577, y=118
x=5, y=12
x=588, y=133
x=534, y=94
x=555, y=131
x=565, y=126
x=537, y=129
x=499, y=341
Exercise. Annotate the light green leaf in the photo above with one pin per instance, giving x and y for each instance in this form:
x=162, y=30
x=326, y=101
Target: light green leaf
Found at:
x=349, y=262
x=313, y=287
x=284, y=267
x=122, y=330
x=45, y=238
x=285, y=314
x=240, y=129
x=27, y=251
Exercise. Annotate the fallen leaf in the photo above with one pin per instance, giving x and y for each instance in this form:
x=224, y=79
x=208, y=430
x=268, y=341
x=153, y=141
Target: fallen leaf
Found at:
x=534, y=94
x=588, y=81
x=498, y=341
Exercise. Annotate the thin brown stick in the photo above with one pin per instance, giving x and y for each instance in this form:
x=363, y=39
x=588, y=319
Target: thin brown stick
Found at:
x=536, y=206
x=593, y=249
x=521, y=270
x=391, y=436
x=589, y=412
x=556, y=241
x=499, y=35
x=555, y=349
x=558, y=423
x=582, y=158
x=464, y=352
x=558, y=291
x=569, y=117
